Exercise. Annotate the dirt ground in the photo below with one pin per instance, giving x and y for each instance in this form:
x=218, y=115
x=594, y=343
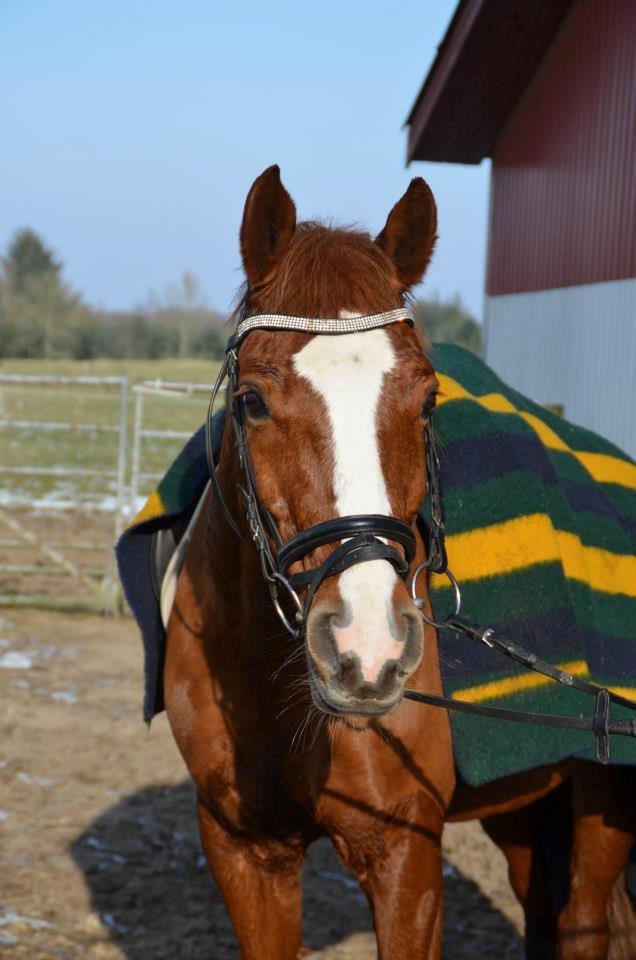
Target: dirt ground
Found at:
x=99, y=855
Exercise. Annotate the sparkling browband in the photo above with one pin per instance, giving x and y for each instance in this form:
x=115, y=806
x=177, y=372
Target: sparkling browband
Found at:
x=274, y=321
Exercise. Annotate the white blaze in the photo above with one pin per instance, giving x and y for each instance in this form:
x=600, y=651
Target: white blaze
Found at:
x=348, y=373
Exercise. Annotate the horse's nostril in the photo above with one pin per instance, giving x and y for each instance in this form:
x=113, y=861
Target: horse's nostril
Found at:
x=321, y=640
x=392, y=672
x=348, y=673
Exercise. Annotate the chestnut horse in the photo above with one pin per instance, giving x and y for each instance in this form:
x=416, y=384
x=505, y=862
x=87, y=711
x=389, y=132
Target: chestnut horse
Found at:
x=289, y=741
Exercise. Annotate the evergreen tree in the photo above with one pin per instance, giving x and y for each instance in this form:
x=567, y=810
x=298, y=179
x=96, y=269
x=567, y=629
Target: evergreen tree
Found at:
x=448, y=321
x=29, y=257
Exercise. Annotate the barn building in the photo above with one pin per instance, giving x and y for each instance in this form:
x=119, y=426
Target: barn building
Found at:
x=547, y=90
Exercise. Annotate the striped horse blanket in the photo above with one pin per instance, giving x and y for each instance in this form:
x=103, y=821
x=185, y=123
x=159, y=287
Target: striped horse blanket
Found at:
x=541, y=534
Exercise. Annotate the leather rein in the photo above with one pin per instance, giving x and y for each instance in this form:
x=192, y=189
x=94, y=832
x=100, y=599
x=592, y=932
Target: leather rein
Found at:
x=366, y=537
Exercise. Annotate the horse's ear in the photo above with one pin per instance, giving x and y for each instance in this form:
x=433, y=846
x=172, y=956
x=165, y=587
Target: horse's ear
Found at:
x=269, y=221
x=410, y=233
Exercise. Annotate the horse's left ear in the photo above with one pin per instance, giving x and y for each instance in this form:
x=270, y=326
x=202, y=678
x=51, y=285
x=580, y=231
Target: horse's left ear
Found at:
x=410, y=233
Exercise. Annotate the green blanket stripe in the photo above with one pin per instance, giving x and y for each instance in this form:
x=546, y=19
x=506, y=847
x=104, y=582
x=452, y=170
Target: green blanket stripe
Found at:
x=479, y=379
x=462, y=419
x=497, y=501
x=535, y=592
x=622, y=498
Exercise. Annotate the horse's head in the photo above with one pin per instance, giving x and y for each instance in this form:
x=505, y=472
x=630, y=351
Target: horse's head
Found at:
x=334, y=424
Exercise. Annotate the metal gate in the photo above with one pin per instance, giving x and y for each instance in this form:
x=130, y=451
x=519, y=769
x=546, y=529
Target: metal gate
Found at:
x=190, y=420
x=27, y=407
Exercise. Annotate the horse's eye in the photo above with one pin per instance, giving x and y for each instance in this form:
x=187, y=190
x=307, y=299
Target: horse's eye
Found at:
x=254, y=405
x=428, y=406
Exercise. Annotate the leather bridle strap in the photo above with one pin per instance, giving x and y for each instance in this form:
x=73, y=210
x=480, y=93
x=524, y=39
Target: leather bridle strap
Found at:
x=600, y=725
x=362, y=543
x=356, y=550
x=340, y=527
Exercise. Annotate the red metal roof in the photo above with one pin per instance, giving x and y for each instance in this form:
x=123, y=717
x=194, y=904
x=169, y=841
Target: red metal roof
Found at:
x=484, y=63
x=563, y=193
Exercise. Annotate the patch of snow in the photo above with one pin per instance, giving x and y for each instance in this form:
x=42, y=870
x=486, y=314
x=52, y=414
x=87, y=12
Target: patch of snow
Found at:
x=63, y=500
x=95, y=843
x=9, y=915
x=108, y=919
x=41, y=781
x=13, y=660
x=63, y=696
x=4, y=815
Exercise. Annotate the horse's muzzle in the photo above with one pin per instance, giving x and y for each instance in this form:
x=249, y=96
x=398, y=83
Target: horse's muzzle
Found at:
x=351, y=673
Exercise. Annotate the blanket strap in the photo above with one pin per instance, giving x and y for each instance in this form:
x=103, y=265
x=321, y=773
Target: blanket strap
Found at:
x=601, y=725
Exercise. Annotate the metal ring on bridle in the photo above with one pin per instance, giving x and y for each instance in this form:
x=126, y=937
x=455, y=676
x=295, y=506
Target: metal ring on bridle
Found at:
x=419, y=603
x=299, y=616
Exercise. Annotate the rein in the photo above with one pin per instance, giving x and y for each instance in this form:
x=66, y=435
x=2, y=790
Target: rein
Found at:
x=365, y=537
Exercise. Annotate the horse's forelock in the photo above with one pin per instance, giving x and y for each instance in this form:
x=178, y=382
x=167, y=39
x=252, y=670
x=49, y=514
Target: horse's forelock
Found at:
x=325, y=270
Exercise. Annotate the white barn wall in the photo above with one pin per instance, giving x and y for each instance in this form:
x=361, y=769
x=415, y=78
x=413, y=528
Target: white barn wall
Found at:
x=575, y=346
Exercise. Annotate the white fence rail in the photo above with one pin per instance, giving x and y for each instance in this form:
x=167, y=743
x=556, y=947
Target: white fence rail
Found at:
x=99, y=583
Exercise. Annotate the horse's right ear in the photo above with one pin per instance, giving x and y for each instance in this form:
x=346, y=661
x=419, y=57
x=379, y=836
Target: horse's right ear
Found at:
x=269, y=222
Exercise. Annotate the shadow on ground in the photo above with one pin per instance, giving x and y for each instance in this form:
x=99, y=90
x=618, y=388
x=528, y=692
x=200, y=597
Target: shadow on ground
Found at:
x=147, y=879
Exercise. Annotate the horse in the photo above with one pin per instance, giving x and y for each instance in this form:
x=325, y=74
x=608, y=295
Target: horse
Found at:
x=292, y=739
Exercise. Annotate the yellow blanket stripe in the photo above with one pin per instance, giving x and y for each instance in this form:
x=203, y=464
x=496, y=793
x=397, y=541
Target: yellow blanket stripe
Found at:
x=495, y=689
x=524, y=541
x=153, y=507
x=601, y=466
x=509, y=685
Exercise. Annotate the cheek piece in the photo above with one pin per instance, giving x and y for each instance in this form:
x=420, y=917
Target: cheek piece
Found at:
x=363, y=534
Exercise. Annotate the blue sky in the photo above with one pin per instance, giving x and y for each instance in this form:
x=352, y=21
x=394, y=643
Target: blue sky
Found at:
x=132, y=131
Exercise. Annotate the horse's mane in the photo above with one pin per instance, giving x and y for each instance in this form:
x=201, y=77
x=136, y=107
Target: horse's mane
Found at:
x=325, y=269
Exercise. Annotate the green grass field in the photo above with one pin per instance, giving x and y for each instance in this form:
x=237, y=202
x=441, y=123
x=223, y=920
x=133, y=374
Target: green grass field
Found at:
x=84, y=405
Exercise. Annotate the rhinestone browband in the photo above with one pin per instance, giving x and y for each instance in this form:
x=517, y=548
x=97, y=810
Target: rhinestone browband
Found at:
x=274, y=321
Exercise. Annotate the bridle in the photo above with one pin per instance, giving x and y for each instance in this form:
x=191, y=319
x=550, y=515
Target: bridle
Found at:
x=366, y=537
x=363, y=537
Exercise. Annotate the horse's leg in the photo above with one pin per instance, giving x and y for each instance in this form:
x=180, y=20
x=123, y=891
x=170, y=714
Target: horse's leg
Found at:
x=261, y=888
x=604, y=821
x=517, y=834
x=402, y=877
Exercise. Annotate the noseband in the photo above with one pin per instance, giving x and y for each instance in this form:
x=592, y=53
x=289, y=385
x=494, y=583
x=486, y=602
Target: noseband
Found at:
x=363, y=536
